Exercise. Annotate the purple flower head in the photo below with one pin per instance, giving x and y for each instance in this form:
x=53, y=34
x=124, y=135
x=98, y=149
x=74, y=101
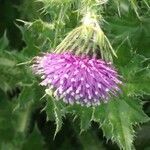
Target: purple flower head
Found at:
x=77, y=79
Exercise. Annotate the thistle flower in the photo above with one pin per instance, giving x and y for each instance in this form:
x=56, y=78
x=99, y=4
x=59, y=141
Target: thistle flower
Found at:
x=77, y=79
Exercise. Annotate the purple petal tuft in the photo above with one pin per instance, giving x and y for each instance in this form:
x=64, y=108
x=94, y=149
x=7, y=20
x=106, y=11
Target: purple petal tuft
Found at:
x=77, y=79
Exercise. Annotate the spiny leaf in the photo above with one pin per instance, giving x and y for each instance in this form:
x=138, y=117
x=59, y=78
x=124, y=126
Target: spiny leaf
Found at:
x=38, y=36
x=26, y=95
x=11, y=74
x=29, y=9
x=58, y=117
x=49, y=109
x=137, y=75
x=83, y=113
x=55, y=110
x=117, y=119
x=127, y=28
x=85, y=117
x=31, y=93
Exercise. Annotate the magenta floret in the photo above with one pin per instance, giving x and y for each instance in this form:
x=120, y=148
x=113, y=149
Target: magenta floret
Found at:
x=77, y=79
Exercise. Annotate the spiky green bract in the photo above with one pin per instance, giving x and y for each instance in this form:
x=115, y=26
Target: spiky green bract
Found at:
x=88, y=38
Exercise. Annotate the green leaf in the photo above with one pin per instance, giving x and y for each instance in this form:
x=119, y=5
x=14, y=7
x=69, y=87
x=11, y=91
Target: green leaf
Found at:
x=55, y=110
x=136, y=75
x=117, y=118
x=58, y=117
x=49, y=109
x=127, y=28
x=30, y=94
x=37, y=35
x=26, y=96
x=13, y=75
x=4, y=41
x=29, y=9
x=84, y=113
x=85, y=117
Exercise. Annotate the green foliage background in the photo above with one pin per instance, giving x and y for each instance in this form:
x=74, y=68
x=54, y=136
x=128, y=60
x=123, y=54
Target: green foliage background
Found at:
x=30, y=121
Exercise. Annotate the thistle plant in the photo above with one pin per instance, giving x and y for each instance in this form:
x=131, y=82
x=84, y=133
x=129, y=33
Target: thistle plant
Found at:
x=81, y=74
x=70, y=72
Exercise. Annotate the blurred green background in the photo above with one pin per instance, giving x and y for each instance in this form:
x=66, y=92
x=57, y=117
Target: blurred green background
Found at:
x=21, y=129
